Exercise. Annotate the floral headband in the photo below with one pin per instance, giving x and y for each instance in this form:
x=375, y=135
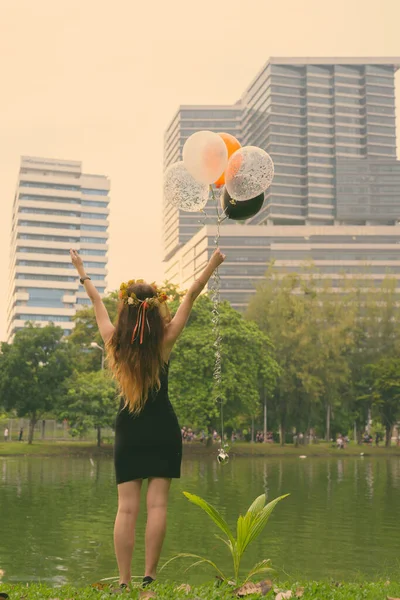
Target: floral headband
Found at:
x=144, y=305
x=133, y=300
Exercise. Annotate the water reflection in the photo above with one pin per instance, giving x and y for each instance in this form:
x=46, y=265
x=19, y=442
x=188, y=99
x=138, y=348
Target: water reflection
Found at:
x=56, y=516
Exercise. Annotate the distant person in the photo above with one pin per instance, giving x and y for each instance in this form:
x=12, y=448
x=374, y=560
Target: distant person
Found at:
x=148, y=438
x=21, y=434
x=6, y=434
x=377, y=439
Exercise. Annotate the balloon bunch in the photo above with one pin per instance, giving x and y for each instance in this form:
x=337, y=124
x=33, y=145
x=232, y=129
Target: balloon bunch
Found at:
x=218, y=159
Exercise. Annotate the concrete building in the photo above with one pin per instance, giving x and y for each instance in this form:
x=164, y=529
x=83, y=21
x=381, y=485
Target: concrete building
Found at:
x=312, y=115
x=329, y=125
x=364, y=251
x=56, y=207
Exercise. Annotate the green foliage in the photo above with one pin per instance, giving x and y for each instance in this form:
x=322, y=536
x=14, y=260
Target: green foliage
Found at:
x=86, y=331
x=33, y=370
x=249, y=527
x=247, y=363
x=89, y=402
x=313, y=590
x=325, y=339
x=385, y=379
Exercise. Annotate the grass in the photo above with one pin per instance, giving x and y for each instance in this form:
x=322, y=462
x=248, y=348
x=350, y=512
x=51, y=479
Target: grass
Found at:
x=86, y=449
x=311, y=591
x=39, y=448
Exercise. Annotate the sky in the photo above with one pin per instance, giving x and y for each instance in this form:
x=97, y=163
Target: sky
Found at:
x=99, y=81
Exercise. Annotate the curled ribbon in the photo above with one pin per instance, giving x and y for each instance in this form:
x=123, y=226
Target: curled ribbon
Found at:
x=141, y=323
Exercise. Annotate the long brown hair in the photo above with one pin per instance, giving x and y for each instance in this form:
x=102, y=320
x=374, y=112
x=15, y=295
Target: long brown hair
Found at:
x=137, y=366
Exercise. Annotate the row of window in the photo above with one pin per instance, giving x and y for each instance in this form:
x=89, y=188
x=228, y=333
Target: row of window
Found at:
x=51, y=318
x=362, y=131
x=58, y=265
x=53, y=225
x=60, y=200
x=63, y=186
x=42, y=277
x=61, y=213
x=61, y=238
x=83, y=251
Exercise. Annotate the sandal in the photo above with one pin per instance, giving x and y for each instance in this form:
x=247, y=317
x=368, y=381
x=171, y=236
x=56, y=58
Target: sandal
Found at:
x=147, y=581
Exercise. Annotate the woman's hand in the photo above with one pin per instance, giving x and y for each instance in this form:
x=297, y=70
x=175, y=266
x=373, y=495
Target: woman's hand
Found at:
x=77, y=262
x=217, y=258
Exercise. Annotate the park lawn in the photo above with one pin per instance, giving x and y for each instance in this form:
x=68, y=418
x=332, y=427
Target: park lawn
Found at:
x=169, y=591
x=88, y=449
x=320, y=449
x=39, y=448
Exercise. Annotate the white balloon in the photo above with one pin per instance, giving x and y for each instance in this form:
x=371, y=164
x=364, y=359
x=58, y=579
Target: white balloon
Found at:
x=182, y=190
x=249, y=173
x=205, y=156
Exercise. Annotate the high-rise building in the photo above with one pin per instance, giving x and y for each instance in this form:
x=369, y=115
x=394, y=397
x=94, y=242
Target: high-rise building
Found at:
x=312, y=115
x=329, y=126
x=56, y=207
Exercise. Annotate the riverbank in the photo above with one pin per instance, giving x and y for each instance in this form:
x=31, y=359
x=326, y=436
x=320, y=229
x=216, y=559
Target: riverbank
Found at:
x=87, y=449
x=306, y=591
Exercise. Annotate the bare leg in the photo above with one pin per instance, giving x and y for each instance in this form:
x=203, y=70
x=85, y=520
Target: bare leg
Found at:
x=124, y=529
x=157, y=500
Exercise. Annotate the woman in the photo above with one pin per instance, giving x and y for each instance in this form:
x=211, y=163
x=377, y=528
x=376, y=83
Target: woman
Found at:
x=148, y=440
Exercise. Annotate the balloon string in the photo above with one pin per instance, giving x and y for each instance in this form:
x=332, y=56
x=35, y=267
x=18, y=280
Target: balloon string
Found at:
x=203, y=220
x=216, y=299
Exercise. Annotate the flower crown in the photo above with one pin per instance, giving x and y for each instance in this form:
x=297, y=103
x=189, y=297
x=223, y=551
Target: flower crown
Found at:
x=133, y=300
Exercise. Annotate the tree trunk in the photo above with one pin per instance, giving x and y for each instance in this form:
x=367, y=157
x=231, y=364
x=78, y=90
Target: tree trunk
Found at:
x=98, y=437
x=32, y=423
x=328, y=423
x=43, y=429
x=282, y=434
x=252, y=430
x=265, y=418
x=389, y=433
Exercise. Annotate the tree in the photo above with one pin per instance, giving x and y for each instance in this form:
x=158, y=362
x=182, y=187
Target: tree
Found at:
x=86, y=331
x=33, y=370
x=385, y=376
x=246, y=359
x=376, y=335
x=284, y=309
x=89, y=402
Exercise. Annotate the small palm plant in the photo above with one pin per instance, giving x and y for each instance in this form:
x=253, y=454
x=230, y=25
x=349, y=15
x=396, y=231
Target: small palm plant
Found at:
x=248, y=529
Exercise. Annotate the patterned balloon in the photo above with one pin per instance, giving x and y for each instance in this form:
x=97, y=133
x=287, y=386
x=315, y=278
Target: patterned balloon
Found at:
x=182, y=190
x=249, y=173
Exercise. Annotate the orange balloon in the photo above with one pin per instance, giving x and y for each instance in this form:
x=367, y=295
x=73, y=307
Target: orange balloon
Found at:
x=232, y=145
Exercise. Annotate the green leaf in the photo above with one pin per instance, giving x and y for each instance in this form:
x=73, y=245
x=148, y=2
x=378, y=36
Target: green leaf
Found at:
x=261, y=521
x=226, y=542
x=257, y=505
x=212, y=513
x=199, y=560
x=261, y=567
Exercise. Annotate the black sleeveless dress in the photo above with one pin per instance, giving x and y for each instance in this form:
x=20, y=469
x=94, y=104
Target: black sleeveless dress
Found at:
x=148, y=444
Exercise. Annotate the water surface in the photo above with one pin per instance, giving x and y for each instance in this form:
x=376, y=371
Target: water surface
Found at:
x=341, y=520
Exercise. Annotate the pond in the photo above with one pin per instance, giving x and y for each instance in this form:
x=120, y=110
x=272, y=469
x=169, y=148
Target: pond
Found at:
x=341, y=520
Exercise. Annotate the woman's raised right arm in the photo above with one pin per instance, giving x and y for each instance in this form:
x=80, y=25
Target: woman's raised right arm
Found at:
x=177, y=325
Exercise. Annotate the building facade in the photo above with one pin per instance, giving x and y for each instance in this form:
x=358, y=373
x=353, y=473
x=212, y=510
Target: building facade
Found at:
x=366, y=252
x=312, y=115
x=56, y=207
x=329, y=126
